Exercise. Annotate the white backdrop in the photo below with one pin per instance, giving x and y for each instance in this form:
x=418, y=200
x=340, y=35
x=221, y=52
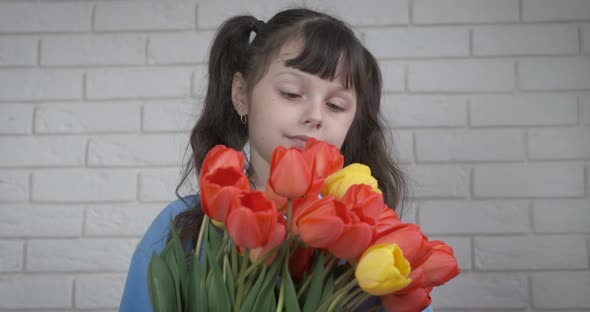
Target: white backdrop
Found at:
x=489, y=101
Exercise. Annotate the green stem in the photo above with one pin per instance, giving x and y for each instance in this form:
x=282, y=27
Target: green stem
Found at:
x=285, y=271
x=240, y=280
x=333, y=301
x=223, y=248
x=204, y=225
x=355, y=299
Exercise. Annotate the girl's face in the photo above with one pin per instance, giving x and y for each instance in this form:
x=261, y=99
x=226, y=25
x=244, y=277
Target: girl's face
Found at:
x=288, y=106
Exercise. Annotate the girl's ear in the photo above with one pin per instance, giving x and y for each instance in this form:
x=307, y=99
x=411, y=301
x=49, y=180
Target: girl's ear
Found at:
x=238, y=94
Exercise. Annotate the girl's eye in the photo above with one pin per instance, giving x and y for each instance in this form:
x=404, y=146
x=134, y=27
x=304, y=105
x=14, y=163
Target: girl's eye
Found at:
x=334, y=107
x=289, y=95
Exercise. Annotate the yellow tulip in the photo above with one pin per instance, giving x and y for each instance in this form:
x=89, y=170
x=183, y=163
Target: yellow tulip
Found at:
x=338, y=183
x=382, y=270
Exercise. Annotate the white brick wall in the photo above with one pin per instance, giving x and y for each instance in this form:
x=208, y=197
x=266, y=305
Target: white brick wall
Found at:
x=489, y=102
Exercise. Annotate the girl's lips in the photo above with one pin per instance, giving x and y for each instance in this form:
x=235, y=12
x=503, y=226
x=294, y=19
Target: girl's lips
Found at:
x=299, y=140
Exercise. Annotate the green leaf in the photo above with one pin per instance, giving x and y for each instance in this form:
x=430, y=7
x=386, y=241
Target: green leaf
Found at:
x=161, y=286
x=269, y=282
x=251, y=296
x=327, y=293
x=218, y=296
x=229, y=282
x=312, y=299
x=197, y=292
x=173, y=256
x=291, y=303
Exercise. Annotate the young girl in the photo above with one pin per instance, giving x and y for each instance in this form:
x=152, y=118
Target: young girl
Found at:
x=304, y=74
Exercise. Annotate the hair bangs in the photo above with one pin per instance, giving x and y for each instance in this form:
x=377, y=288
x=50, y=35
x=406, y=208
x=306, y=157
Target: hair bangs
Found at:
x=326, y=52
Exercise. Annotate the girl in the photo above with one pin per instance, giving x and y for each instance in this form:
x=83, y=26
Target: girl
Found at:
x=304, y=74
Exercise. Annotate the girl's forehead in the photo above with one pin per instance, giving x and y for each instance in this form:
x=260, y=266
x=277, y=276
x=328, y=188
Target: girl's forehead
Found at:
x=290, y=50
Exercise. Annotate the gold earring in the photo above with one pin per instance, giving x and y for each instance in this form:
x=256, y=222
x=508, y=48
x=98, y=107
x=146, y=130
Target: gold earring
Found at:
x=243, y=119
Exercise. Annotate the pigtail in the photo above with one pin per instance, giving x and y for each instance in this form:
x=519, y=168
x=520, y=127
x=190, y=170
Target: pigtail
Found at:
x=219, y=122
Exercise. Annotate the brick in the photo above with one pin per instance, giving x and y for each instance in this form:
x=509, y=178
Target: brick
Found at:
x=461, y=249
x=375, y=12
x=11, y=255
x=35, y=292
x=45, y=17
x=42, y=151
x=210, y=14
x=566, y=143
x=178, y=115
x=524, y=110
x=18, y=51
x=120, y=219
x=424, y=110
x=470, y=145
x=585, y=100
x=461, y=76
x=526, y=253
x=138, y=82
x=548, y=10
x=464, y=11
x=133, y=150
x=95, y=117
x=417, y=42
x=98, y=292
x=40, y=84
x=555, y=74
x=84, y=185
x=402, y=146
x=16, y=119
x=189, y=48
x=433, y=181
x=93, y=49
x=562, y=216
x=14, y=186
x=561, y=290
x=485, y=217
x=525, y=40
x=80, y=255
x=144, y=16
x=393, y=75
x=160, y=185
x=484, y=291
x=40, y=220
x=586, y=38
x=528, y=181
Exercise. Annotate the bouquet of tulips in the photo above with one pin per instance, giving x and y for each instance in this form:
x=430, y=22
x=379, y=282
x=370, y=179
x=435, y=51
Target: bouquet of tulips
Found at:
x=320, y=238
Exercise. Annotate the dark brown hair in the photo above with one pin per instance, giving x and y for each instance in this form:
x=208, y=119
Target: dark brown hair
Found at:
x=326, y=42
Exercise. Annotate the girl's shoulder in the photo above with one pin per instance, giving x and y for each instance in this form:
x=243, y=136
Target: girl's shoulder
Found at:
x=155, y=237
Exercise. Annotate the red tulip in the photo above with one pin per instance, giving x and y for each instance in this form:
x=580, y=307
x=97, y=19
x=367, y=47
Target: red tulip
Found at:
x=252, y=220
x=219, y=189
x=416, y=300
x=300, y=261
x=276, y=238
x=411, y=241
x=316, y=222
x=441, y=266
x=290, y=172
x=327, y=157
x=356, y=234
x=221, y=156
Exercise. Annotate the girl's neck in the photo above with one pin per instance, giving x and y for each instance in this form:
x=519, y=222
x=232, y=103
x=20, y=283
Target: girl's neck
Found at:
x=260, y=169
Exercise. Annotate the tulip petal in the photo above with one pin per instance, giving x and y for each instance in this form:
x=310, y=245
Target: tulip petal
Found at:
x=441, y=266
x=416, y=300
x=290, y=172
x=353, y=241
x=409, y=238
x=320, y=231
x=244, y=236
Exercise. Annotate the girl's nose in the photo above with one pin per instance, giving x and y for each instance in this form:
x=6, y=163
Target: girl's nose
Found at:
x=312, y=116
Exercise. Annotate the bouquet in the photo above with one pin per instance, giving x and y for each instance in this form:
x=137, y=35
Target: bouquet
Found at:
x=319, y=238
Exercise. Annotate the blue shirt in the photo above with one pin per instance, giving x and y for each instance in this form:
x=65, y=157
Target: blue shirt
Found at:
x=135, y=296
